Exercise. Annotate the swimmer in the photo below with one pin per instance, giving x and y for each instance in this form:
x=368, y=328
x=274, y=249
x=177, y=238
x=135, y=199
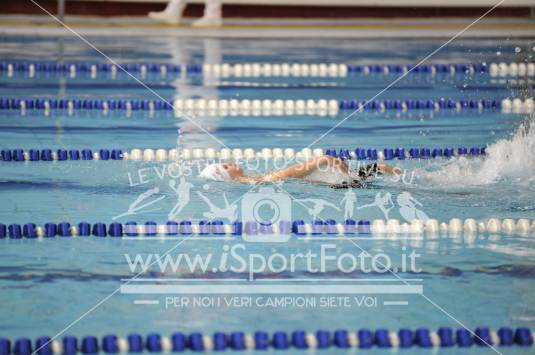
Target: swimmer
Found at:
x=326, y=165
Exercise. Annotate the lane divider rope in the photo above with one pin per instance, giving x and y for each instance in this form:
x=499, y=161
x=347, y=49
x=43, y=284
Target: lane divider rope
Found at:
x=297, y=227
x=267, y=69
x=266, y=107
x=444, y=337
x=21, y=155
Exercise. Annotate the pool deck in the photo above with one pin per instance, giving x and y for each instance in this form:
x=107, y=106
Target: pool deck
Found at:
x=32, y=25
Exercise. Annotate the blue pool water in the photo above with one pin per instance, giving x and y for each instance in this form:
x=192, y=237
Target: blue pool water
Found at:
x=474, y=280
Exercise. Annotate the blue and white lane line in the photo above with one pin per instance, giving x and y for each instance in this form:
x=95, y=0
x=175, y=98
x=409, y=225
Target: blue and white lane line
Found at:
x=224, y=70
x=423, y=337
x=184, y=228
x=149, y=154
x=246, y=107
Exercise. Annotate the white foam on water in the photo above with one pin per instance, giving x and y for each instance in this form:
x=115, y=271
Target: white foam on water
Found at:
x=512, y=159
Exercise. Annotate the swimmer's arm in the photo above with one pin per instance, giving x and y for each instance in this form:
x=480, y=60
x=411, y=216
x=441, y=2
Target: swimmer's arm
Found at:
x=303, y=169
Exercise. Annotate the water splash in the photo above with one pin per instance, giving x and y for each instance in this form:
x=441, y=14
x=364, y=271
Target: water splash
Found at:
x=508, y=159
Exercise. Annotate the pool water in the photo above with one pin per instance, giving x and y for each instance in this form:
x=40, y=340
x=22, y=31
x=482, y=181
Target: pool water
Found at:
x=471, y=280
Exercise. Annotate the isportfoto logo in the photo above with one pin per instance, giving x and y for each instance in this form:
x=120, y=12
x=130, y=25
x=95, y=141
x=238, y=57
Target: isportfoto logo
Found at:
x=236, y=259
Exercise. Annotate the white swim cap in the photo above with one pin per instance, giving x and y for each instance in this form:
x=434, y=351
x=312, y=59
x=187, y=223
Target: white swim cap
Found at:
x=215, y=172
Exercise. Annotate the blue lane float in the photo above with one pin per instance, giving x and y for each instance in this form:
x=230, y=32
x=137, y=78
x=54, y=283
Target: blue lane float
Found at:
x=173, y=229
x=148, y=154
x=202, y=228
x=46, y=154
x=443, y=337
